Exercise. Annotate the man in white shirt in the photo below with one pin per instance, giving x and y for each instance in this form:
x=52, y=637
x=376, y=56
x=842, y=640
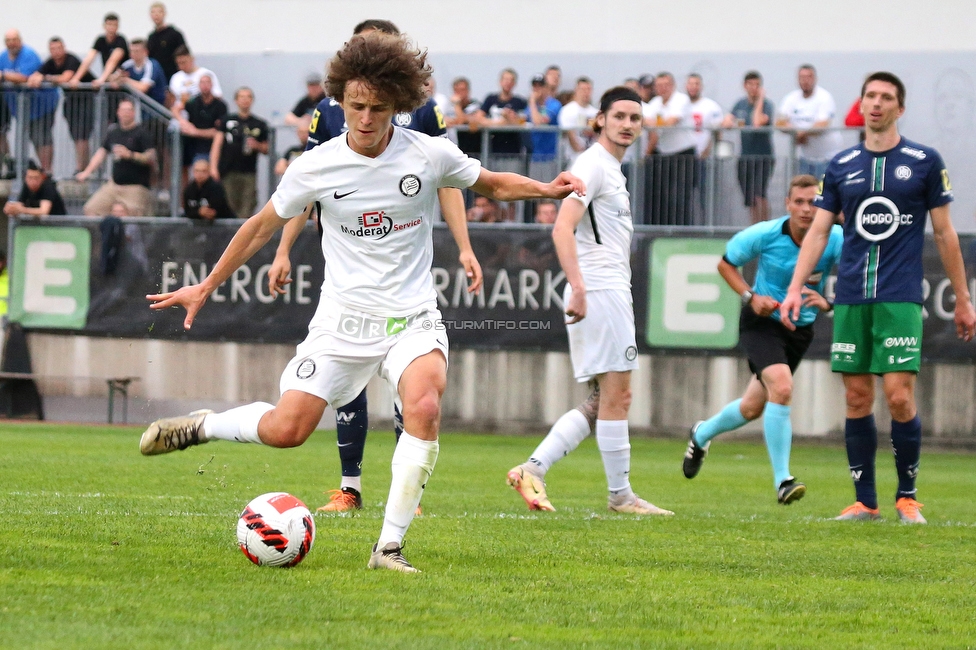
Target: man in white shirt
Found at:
x=185, y=84
x=592, y=238
x=706, y=115
x=575, y=118
x=377, y=314
x=807, y=110
x=671, y=168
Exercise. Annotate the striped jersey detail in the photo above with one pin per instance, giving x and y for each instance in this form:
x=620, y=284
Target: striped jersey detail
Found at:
x=871, y=263
x=879, y=173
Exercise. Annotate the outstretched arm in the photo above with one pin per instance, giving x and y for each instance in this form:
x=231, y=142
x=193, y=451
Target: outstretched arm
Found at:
x=506, y=186
x=254, y=234
x=452, y=209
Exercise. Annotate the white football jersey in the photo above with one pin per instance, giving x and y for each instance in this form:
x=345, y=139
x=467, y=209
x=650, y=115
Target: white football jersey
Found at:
x=603, y=235
x=377, y=215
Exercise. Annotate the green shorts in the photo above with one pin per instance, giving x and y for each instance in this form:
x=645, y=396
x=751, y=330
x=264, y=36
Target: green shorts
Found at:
x=877, y=338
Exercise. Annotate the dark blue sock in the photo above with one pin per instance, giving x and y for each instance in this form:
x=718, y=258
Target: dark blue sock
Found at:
x=397, y=422
x=861, y=436
x=352, y=422
x=906, y=441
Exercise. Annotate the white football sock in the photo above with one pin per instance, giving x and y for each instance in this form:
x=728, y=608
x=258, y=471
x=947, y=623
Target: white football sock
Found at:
x=354, y=482
x=613, y=440
x=238, y=424
x=413, y=462
x=564, y=436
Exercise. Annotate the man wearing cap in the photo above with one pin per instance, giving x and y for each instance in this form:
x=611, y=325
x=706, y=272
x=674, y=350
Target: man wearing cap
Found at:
x=543, y=111
x=306, y=105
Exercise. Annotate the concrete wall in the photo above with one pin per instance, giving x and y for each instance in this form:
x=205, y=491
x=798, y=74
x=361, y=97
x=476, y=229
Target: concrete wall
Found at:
x=493, y=391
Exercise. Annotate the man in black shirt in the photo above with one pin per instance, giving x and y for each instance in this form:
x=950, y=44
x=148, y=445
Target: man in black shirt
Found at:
x=164, y=40
x=504, y=108
x=204, y=198
x=134, y=157
x=306, y=105
x=234, y=154
x=38, y=197
x=79, y=105
x=112, y=47
x=199, y=127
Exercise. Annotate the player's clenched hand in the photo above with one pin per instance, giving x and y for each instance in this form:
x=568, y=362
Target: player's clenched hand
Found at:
x=191, y=298
x=763, y=305
x=473, y=270
x=564, y=185
x=278, y=275
x=576, y=307
x=789, y=311
x=965, y=318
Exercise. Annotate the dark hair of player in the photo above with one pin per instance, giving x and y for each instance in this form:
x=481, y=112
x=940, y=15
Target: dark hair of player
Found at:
x=584, y=80
x=615, y=94
x=801, y=181
x=389, y=65
x=109, y=17
x=752, y=74
x=807, y=66
x=55, y=39
x=887, y=77
x=137, y=41
x=384, y=26
x=182, y=50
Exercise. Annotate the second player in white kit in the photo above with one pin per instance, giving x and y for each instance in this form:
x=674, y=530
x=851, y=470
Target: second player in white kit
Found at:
x=592, y=237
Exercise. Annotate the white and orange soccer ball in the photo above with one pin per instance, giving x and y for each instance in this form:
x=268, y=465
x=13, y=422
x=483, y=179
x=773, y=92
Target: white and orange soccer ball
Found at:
x=276, y=529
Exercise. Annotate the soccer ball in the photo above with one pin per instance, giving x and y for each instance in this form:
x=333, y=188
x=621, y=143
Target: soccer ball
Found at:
x=276, y=529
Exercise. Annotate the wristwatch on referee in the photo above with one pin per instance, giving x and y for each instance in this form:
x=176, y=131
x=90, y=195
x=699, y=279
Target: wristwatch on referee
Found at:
x=747, y=297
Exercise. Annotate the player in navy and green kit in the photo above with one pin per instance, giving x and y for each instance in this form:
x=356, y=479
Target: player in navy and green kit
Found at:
x=774, y=351
x=884, y=186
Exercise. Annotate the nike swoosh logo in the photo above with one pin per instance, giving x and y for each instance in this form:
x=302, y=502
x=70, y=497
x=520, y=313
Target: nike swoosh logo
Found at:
x=340, y=444
x=338, y=196
x=853, y=174
x=903, y=359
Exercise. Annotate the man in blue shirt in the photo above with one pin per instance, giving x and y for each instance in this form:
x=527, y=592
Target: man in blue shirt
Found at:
x=543, y=111
x=17, y=64
x=884, y=186
x=774, y=352
x=143, y=73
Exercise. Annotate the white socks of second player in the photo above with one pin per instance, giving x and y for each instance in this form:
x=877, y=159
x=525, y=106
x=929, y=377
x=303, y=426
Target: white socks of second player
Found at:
x=413, y=463
x=613, y=440
x=564, y=436
x=238, y=424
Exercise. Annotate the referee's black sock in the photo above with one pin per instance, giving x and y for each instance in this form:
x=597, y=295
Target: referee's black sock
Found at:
x=861, y=436
x=906, y=441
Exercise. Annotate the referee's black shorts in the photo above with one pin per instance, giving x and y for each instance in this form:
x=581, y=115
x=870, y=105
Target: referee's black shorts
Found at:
x=767, y=342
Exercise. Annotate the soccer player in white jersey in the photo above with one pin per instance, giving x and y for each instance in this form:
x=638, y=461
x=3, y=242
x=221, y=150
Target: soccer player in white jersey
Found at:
x=378, y=309
x=592, y=237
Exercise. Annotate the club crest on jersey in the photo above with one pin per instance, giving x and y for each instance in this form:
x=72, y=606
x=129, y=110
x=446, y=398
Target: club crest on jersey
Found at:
x=903, y=172
x=306, y=369
x=403, y=119
x=410, y=185
x=631, y=353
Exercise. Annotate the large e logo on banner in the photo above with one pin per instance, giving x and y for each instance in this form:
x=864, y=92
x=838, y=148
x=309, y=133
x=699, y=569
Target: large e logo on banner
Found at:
x=51, y=269
x=690, y=305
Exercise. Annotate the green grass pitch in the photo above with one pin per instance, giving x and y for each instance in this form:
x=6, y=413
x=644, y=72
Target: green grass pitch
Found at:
x=102, y=548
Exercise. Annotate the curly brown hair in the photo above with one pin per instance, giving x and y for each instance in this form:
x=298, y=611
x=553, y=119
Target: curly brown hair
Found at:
x=391, y=66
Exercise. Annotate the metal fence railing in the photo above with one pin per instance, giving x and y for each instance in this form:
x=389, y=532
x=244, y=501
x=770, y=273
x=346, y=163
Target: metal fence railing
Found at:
x=62, y=127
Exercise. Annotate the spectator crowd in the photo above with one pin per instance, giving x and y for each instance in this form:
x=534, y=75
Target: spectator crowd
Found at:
x=536, y=134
